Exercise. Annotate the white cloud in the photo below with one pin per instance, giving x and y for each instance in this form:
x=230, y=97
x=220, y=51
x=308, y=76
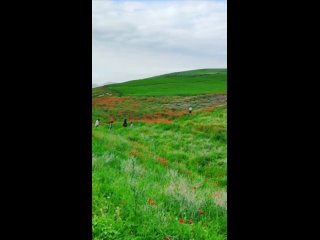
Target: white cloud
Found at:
x=137, y=39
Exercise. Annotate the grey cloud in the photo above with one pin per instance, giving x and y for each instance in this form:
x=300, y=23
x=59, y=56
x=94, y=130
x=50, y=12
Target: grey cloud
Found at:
x=170, y=35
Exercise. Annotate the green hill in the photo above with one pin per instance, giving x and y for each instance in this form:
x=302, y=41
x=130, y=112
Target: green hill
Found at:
x=185, y=83
x=164, y=176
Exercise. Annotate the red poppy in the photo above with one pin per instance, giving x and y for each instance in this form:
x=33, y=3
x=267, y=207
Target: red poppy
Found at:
x=181, y=220
x=153, y=203
x=167, y=238
x=149, y=199
x=190, y=222
x=201, y=212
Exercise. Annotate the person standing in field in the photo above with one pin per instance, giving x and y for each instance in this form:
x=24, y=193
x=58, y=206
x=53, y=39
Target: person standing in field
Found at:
x=190, y=109
x=125, y=124
x=131, y=124
x=110, y=125
x=97, y=123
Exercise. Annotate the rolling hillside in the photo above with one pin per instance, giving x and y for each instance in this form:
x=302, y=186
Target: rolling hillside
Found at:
x=165, y=175
x=185, y=83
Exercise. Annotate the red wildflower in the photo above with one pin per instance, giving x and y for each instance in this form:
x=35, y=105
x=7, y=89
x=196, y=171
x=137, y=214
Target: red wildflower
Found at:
x=181, y=220
x=162, y=160
x=201, y=212
x=134, y=152
x=190, y=222
x=167, y=238
x=153, y=203
x=149, y=199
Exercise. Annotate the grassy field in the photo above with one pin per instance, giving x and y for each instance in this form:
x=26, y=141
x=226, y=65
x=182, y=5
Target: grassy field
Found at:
x=164, y=178
x=175, y=84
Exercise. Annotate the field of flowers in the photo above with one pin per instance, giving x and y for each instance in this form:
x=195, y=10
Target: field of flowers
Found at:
x=160, y=179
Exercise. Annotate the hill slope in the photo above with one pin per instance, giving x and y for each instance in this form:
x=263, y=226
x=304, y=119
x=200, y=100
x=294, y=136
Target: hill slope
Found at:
x=148, y=178
x=185, y=83
x=164, y=176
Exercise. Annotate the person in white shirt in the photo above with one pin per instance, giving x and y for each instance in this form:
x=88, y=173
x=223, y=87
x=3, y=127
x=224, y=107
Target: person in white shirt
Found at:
x=190, y=109
x=97, y=123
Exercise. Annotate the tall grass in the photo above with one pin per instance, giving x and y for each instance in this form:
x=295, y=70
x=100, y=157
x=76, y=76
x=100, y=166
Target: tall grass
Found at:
x=146, y=178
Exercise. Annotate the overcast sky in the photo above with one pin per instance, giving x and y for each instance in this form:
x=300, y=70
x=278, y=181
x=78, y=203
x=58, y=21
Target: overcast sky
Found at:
x=138, y=39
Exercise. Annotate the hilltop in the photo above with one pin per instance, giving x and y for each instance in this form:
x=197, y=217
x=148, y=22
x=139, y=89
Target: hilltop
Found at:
x=186, y=83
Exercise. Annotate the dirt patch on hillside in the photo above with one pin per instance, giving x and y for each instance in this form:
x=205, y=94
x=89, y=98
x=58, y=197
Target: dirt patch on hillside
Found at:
x=155, y=120
x=125, y=103
x=108, y=101
x=157, y=109
x=172, y=113
x=209, y=109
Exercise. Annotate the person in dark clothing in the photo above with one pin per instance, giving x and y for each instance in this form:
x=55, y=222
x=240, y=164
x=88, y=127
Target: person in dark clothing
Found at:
x=125, y=124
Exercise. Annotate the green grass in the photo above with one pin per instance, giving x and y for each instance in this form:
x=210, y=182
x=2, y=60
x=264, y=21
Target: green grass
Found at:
x=146, y=178
x=179, y=165
x=139, y=107
x=186, y=83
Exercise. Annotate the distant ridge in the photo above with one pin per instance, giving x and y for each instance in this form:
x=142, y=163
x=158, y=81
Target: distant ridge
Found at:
x=191, y=82
x=94, y=85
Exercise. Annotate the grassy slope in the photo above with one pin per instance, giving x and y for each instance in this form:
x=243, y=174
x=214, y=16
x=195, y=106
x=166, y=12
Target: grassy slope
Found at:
x=181, y=165
x=137, y=108
x=190, y=176
x=175, y=84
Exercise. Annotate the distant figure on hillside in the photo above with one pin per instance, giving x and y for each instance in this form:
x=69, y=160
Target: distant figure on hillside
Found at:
x=190, y=109
x=97, y=123
x=125, y=124
x=110, y=125
x=131, y=124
